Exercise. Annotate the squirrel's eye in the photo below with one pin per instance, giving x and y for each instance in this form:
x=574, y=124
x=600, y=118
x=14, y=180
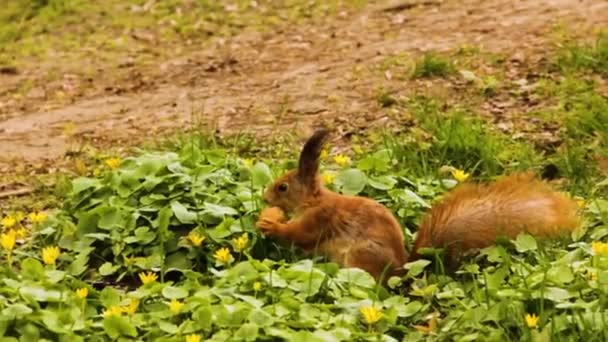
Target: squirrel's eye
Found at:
x=283, y=187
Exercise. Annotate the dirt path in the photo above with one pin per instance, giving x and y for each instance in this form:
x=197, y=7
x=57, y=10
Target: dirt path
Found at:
x=293, y=79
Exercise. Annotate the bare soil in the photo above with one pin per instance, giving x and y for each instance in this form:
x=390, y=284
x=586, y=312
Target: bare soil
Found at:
x=288, y=80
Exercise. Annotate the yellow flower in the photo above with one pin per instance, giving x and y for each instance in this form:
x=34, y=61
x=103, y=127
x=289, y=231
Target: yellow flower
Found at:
x=580, y=202
x=240, y=243
x=248, y=162
x=38, y=217
x=370, y=314
x=7, y=240
x=82, y=292
x=222, y=255
x=19, y=216
x=459, y=175
x=147, y=277
x=323, y=154
x=342, y=160
x=257, y=286
x=329, y=178
x=531, y=321
x=195, y=238
x=599, y=248
x=175, y=306
x=50, y=255
x=193, y=338
x=131, y=308
x=21, y=233
x=8, y=222
x=113, y=310
x=113, y=163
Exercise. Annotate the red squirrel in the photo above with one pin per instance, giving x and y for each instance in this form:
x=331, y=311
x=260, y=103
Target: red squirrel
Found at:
x=355, y=231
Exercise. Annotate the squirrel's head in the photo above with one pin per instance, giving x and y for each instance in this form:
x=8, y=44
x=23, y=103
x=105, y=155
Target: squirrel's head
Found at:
x=299, y=186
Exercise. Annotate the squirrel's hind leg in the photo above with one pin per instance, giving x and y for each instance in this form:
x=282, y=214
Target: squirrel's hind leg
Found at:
x=374, y=258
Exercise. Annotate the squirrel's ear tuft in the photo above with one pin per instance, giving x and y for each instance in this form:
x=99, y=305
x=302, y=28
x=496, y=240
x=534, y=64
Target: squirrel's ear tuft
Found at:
x=309, y=158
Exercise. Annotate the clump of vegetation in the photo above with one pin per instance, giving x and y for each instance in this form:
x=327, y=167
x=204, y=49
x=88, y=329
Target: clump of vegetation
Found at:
x=386, y=99
x=432, y=64
x=162, y=246
x=457, y=137
x=591, y=57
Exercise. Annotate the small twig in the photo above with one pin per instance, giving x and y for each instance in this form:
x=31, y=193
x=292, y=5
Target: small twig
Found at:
x=16, y=192
x=406, y=5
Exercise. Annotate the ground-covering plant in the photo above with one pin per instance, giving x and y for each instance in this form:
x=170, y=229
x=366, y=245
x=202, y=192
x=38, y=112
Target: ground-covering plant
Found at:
x=162, y=246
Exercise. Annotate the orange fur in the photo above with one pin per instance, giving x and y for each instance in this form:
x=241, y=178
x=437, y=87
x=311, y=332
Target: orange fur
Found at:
x=359, y=232
x=472, y=216
x=351, y=231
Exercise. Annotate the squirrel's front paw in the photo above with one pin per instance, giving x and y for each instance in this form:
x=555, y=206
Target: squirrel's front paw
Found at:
x=270, y=220
x=267, y=225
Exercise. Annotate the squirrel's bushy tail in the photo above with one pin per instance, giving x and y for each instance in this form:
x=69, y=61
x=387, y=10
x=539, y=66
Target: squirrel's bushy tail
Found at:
x=472, y=216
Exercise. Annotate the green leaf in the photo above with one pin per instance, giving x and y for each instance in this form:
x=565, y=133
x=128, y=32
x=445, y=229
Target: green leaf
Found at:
x=555, y=294
x=167, y=327
x=380, y=161
x=29, y=332
x=403, y=308
x=260, y=175
x=215, y=157
x=87, y=224
x=261, y=318
x=356, y=277
x=109, y=296
x=494, y=280
x=560, y=275
x=247, y=332
x=116, y=326
x=79, y=265
x=182, y=213
x=144, y=235
x=525, y=242
x=40, y=294
x=416, y=267
x=219, y=211
x=178, y=261
x=172, y=292
x=408, y=196
x=107, y=268
x=55, y=276
x=83, y=183
x=163, y=220
x=16, y=311
x=110, y=219
x=32, y=269
x=351, y=181
x=383, y=182
x=151, y=164
x=305, y=336
x=202, y=317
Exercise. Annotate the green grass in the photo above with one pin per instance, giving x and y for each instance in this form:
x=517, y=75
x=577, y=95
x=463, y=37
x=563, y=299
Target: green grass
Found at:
x=576, y=56
x=432, y=64
x=75, y=27
x=456, y=137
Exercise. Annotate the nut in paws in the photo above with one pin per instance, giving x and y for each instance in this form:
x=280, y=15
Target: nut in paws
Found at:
x=274, y=214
